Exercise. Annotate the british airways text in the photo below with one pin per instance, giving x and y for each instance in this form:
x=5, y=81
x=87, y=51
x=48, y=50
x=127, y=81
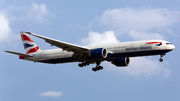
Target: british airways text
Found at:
x=138, y=48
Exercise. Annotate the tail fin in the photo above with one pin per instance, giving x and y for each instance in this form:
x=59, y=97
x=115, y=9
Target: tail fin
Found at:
x=29, y=45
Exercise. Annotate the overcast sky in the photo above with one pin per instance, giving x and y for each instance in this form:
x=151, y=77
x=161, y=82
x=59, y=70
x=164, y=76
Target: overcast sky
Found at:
x=89, y=23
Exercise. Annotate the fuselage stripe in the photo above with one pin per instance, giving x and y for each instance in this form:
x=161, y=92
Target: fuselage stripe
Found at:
x=154, y=42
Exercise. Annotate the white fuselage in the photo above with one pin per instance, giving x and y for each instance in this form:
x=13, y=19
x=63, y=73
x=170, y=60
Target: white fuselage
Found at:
x=115, y=50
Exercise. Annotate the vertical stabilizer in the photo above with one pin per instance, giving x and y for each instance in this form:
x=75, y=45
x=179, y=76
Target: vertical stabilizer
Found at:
x=29, y=45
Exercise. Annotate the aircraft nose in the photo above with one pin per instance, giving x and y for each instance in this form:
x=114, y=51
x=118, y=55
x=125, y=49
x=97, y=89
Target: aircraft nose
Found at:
x=170, y=47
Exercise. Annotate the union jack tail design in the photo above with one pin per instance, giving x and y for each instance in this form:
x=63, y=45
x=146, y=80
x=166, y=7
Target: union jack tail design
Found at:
x=29, y=44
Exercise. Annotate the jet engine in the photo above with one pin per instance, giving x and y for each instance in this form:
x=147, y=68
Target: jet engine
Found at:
x=98, y=53
x=121, y=61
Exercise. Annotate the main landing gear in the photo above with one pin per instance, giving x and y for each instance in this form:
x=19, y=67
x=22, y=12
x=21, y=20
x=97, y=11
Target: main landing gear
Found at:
x=98, y=67
x=161, y=60
x=83, y=64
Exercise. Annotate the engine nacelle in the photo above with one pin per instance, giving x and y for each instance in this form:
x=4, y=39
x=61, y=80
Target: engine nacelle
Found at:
x=121, y=62
x=98, y=53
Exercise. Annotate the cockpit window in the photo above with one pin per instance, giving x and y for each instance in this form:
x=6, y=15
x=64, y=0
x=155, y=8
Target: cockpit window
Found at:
x=168, y=43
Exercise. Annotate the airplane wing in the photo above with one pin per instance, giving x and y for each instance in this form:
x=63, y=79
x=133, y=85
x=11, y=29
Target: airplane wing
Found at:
x=26, y=55
x=65, y=46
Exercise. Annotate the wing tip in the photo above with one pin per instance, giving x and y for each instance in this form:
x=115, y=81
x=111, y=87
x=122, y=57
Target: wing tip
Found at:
x=7, y=51
x=25, y=32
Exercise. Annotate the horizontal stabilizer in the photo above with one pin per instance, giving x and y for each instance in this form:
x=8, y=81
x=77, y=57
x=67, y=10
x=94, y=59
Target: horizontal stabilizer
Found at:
x=21, y=54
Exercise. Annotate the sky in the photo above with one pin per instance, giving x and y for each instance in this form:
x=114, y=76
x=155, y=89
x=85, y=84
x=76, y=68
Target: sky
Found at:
x=89, y=23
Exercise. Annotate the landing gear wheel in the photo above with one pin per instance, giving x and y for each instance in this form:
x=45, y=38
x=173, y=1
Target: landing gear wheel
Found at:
x=97, y=68
x=161, y=60
x=94, y=69
x=100, y=67
x=162, y=54
x=80, y=65
x=84, y=64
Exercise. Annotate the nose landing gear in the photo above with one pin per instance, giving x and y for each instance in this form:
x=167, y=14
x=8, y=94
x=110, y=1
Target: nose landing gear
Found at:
x=161, y=60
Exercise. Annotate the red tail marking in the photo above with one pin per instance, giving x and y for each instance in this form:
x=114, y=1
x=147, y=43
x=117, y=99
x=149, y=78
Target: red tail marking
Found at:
x=21, y=57
x=33, y=50
x=26, y=38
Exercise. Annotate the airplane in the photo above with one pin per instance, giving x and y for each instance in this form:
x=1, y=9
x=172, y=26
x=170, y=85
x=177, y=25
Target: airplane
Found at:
x=117, y=53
